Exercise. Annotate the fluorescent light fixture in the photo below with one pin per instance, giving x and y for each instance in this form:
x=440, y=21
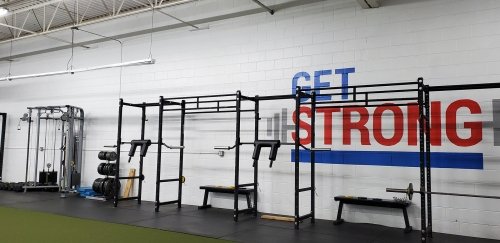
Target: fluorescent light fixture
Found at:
x=3, y=11
x=123, y=64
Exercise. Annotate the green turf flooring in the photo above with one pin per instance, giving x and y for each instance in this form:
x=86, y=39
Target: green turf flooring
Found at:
x=25, y=226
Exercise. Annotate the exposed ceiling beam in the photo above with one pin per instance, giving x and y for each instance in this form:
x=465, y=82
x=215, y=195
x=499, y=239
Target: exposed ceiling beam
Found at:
x=106, y=6
x=39, y=5
x=268, y=9
x=369, y=3
x=69, y=13
x=44, y=35
x=180, y=20
x=277, y=7
x=107, y=18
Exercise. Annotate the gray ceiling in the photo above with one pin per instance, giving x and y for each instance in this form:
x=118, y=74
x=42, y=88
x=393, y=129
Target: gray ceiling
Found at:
x=29, y=18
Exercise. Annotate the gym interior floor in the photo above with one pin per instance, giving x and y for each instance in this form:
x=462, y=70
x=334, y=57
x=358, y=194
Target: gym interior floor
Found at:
x=216, y=223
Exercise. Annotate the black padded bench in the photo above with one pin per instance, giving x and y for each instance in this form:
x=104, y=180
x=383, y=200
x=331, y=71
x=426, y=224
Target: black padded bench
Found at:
x=375, y=202
x=224, y=189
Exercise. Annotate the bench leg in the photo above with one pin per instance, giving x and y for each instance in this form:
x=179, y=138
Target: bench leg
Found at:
x=408, y=228
x=249, y=203
x=205, y=201
x=339, y=215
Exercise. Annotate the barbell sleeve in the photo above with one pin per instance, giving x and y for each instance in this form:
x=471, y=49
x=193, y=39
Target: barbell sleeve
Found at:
x=463, y=195
x=173, y=147
x=223, y=147
x=396, y=190
x=321, y=149
x=409, y=191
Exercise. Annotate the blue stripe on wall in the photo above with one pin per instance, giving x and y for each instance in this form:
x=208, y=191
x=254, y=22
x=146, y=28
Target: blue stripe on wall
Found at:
x=394, y=158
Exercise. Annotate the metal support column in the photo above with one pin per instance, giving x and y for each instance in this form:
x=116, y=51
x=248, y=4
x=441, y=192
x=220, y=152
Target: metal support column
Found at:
x=158, y=158
x=297, y=154
x=313, y=155
x=181, y=152
x=428, y=158
x=37, y=143
x=237, y=156
x=141, y=159
x=30, y=112
x=79, y=155
x=70, y=152
x=423, y=232
x=256, y=168
x=118, y=150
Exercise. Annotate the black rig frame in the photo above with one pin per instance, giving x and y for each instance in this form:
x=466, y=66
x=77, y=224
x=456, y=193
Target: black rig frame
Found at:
x=407, y=94
x=359, y=96
x=2, y=140
x=143, y=106
x=425, y=176
x=195, y=103
x=423, y=102
x=224, y=103
x=299, y=94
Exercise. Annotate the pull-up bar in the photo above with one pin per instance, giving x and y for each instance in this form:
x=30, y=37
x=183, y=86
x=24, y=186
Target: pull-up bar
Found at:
x=464, y=87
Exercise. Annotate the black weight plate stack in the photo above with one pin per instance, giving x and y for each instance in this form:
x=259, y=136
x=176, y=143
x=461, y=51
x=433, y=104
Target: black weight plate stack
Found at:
x=107, y=155
x=109, y=191
x=111, y=156
x=111, y=169
x=102, y=155
x=108, y=169
x=97, y=185
x=100, y=169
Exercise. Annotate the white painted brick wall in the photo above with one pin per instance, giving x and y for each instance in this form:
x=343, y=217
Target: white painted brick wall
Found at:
x=444, y=41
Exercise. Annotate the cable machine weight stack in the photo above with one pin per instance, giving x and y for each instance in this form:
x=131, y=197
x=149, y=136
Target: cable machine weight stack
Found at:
x=55, y=123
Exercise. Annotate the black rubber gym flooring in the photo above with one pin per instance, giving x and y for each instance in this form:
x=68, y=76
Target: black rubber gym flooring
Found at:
x=217, y=223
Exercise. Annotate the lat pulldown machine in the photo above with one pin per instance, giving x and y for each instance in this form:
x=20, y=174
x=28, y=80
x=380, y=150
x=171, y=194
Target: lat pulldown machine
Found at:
x=67, y=123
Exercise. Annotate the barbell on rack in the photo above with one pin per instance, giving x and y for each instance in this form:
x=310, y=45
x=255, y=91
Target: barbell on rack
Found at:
x=409, y=192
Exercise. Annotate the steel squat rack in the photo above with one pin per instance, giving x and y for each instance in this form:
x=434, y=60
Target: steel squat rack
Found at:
x=144, y=144
x=373, y=95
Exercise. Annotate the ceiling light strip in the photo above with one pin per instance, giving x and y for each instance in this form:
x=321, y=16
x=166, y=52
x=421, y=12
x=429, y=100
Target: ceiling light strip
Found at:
x=79, y=70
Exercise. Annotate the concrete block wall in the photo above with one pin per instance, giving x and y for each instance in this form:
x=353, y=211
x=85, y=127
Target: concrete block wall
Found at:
x=444, y=41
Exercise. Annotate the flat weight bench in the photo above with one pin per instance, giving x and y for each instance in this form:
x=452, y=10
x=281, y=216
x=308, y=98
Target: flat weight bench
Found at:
x=375, y=202
x=224, y=189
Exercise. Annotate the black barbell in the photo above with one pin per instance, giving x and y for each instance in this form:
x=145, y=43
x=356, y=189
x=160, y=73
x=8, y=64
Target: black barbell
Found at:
x=409, y=192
